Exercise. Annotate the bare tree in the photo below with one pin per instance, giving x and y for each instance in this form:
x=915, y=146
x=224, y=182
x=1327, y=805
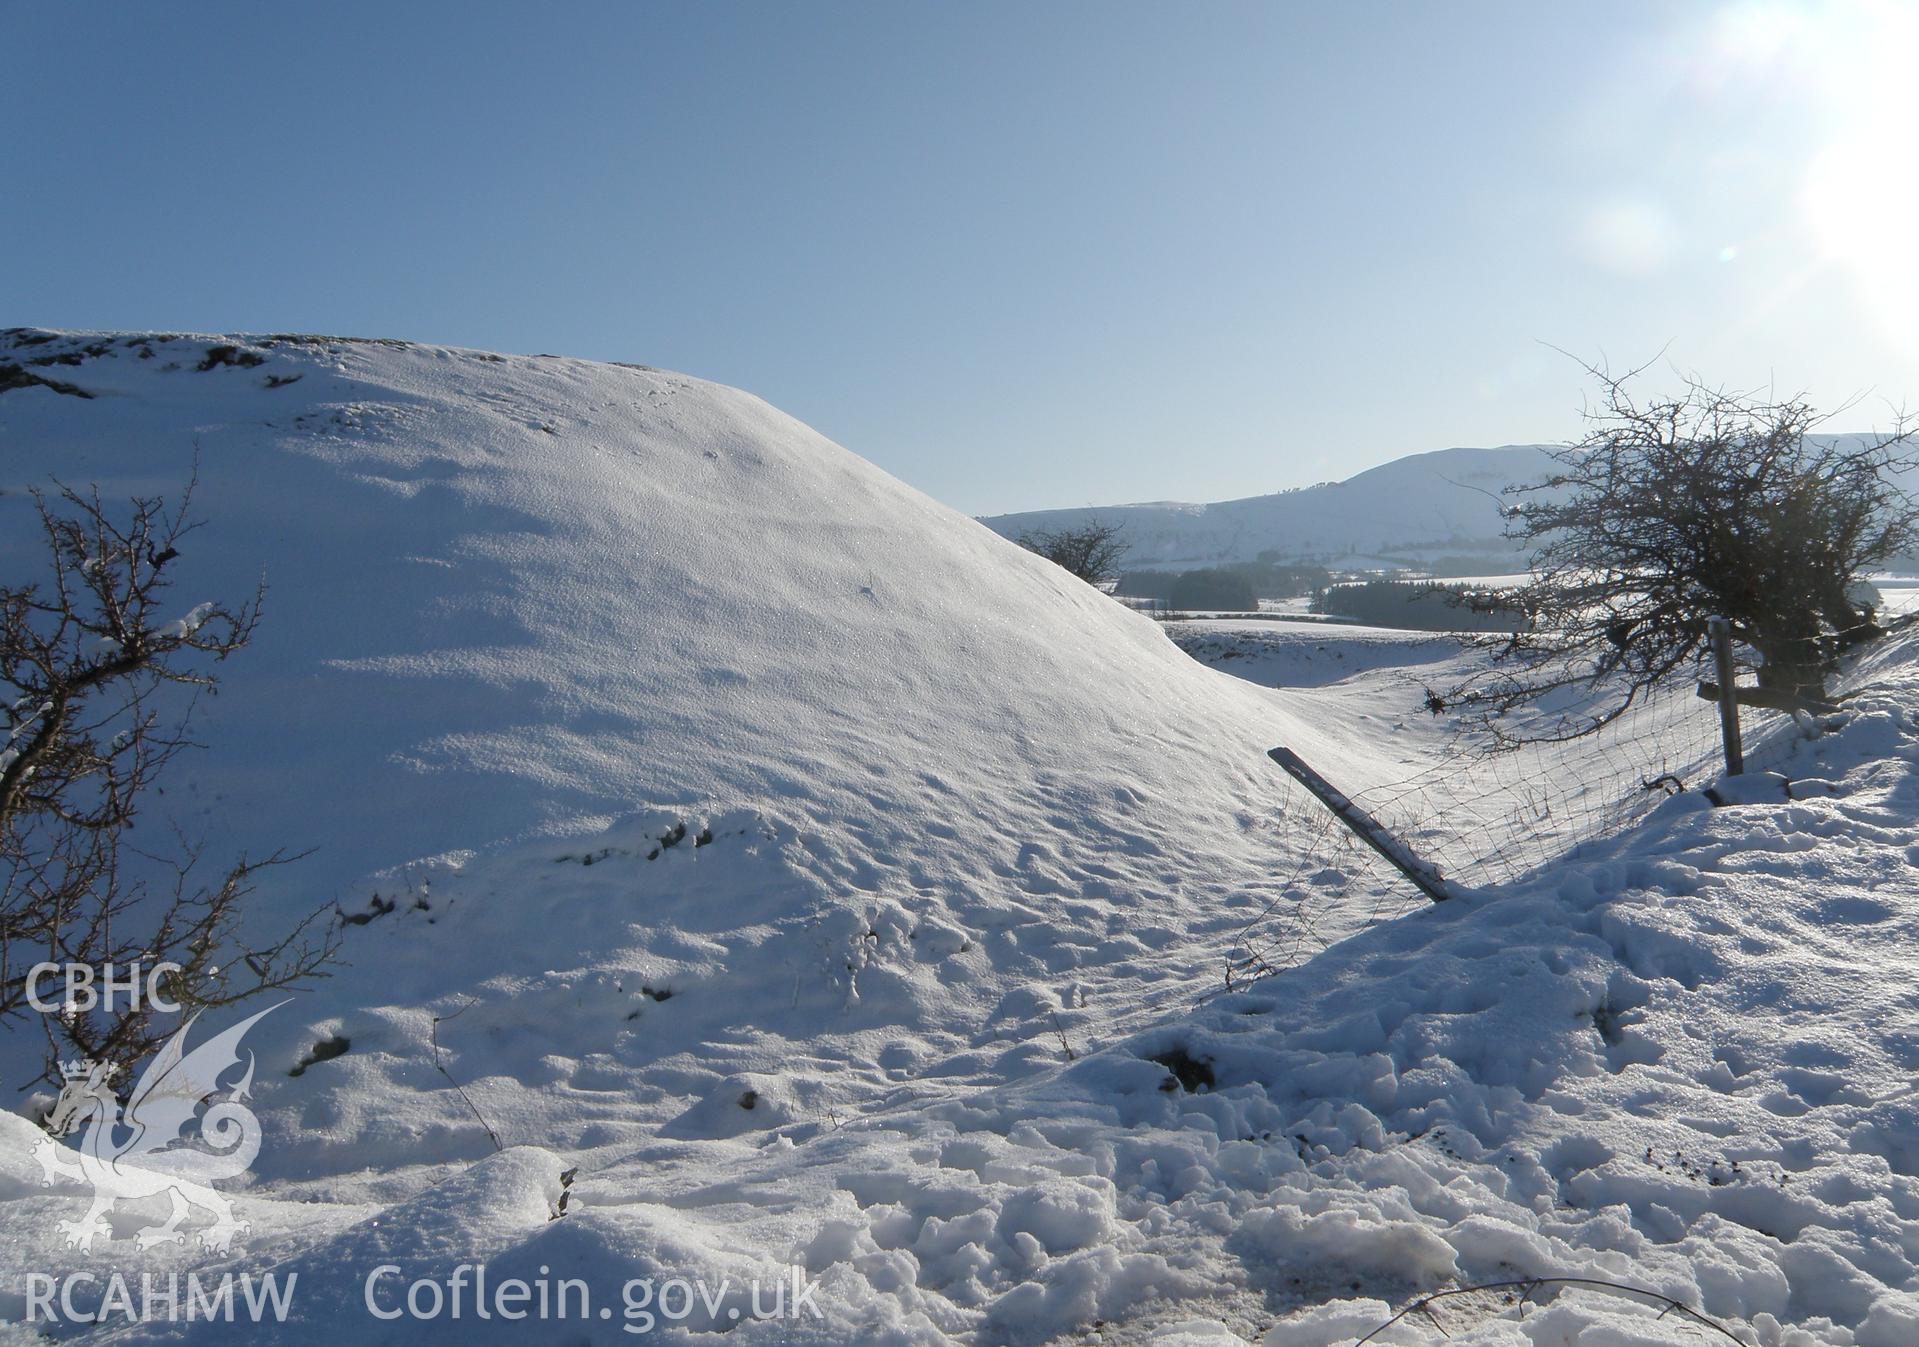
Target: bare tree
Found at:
x=1707, y=503
x=1092, y=551
x=98, y=683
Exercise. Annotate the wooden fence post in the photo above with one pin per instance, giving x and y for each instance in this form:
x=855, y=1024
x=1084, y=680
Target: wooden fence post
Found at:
x=1424, y=875
x=1720, y=631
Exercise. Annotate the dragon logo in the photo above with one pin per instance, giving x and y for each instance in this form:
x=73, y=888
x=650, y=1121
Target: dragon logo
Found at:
x=149, y=1148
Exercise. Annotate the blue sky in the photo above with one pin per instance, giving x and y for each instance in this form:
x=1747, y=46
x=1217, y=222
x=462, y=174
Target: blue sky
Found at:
x=1021, y=255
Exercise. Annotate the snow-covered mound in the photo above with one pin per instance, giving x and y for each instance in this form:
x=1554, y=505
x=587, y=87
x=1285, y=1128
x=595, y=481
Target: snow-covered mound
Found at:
x=507, y=595
x=821, y=789
x=1415, y=509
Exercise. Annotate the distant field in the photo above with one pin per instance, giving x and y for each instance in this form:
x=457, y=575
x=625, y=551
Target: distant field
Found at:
x=1901, y=592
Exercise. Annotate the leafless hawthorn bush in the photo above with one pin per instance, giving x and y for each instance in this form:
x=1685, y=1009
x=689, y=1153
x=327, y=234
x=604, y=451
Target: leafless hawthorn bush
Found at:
x=1672, y=511
x=1092, y=551
x=96, y=686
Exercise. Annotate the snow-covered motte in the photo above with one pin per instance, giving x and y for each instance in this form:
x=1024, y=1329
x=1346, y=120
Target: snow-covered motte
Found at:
x=939, y=801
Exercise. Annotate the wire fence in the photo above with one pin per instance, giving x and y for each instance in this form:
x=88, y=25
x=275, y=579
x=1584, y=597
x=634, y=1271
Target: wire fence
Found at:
x=1489, y=819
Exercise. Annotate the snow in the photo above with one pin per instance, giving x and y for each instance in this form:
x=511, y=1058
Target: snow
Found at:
x=1899, y=593
x=178, y=629
x=1300, y=655
x=793, y=874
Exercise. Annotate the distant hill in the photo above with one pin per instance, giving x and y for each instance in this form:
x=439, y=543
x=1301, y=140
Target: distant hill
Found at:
x=1435, y=511
x=1415, y=509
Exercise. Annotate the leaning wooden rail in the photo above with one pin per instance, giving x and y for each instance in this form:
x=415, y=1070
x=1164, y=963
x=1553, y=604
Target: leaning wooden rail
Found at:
x=1424, y=874
x=1772, y=699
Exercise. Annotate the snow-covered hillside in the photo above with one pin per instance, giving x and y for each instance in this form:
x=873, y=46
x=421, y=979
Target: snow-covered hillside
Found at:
x=1412, y=510
x=950, y=791
x=1442, y=506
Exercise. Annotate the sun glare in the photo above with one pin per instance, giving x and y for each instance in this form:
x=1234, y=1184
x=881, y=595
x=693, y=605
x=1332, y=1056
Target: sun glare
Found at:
x=1836, y=76
x=1862, y=203
x=1860, y=195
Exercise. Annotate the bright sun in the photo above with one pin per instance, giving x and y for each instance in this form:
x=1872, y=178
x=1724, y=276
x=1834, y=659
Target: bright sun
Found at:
x=1848, y=67
x=1860, y=195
